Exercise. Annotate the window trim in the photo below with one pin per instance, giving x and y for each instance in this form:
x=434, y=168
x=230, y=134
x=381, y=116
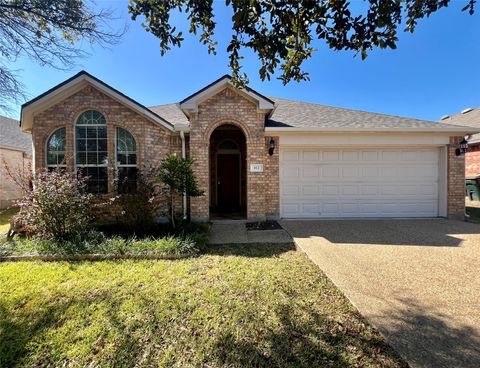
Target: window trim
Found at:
x=47, y=165
x=76, y=166
x=117, y=165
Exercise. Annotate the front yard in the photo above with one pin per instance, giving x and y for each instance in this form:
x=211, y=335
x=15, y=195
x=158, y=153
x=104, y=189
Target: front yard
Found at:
x=232, y=307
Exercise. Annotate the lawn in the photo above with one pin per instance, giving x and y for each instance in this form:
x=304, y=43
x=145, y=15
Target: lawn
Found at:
x=5, y=216
x=263, y=306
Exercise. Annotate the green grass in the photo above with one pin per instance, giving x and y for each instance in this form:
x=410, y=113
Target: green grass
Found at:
x=263, y=306
x=5, y=216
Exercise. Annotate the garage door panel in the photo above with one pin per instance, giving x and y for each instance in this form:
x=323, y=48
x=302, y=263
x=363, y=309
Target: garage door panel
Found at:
x=359, y=183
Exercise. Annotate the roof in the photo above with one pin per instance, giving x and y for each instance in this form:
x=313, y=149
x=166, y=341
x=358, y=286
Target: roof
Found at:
x=469, y=118
x=11, y=135
x=71, y=86
x=284, y=115
x=297, y=115
x=311, y=116
x=171, y=112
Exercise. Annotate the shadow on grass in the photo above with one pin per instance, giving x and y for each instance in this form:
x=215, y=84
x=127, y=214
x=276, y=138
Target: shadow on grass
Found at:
x=428, y=338
x=320, y=342
x=20, y=337
x=250, y=250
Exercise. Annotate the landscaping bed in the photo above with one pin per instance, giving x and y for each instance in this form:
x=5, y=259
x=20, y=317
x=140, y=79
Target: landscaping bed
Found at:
x=235, y=306
x=95, y=245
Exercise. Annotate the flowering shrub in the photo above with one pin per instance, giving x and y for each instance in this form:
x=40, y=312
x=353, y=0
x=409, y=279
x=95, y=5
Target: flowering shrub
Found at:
x=57, y=207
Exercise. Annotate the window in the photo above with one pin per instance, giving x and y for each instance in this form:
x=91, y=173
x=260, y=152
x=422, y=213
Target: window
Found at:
x=91, y=153
x=126, y=162
x=56, y=149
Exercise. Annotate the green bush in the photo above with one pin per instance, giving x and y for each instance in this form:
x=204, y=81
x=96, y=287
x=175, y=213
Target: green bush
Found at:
x=57, y=207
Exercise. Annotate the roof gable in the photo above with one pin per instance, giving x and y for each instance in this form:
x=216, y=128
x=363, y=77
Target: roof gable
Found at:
x=192, y=101
x=74, y=84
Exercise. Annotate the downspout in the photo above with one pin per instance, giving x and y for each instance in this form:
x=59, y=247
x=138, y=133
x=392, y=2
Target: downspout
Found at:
x=184, y=156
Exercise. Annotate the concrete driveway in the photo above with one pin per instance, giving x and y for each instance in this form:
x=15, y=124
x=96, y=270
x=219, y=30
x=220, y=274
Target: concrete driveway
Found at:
x=416, y=281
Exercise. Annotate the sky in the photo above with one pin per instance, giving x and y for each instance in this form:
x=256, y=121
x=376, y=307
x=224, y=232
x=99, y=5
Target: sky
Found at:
x=433, y=72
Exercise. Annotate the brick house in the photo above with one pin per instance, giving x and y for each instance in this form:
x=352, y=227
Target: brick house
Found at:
x=471, y=118
x=256, y=157
x=15, y=156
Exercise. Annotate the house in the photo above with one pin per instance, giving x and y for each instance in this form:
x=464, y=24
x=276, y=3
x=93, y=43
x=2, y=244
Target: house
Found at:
x=256, y=157
x=15, y=157
x=471, y=118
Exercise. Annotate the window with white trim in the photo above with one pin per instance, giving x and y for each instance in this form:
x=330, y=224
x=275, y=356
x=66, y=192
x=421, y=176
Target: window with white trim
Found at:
x=91, y=150
x=126, y=162
x=56, y=149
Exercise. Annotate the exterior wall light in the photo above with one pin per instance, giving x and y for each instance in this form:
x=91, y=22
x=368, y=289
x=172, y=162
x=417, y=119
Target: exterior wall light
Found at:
x=271, y=149
x=462, y=147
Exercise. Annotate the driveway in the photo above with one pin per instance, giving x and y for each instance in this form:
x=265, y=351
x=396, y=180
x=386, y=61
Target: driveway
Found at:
x=417, y=281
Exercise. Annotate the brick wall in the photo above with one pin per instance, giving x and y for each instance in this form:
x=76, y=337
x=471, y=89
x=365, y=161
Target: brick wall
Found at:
x=272, y=179
x=153, y=141
x=456, y=181
x=229, y=107
x=472, y=161
x=18, y=164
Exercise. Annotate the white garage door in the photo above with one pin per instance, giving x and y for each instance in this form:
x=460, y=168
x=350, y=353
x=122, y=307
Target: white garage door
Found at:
x=358, y=182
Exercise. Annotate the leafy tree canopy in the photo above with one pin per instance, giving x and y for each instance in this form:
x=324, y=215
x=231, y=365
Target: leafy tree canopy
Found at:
x=49, y=32
x=281, y=32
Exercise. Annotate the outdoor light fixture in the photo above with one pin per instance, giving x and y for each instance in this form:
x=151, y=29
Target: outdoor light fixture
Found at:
x=462, y=147
x=272, y=147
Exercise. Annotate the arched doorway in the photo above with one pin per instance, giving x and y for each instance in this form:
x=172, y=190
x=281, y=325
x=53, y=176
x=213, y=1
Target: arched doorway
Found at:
x=228, y=173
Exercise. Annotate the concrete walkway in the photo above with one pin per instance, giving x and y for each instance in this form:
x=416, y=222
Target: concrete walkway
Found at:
x=235, y=232
x=417, y=281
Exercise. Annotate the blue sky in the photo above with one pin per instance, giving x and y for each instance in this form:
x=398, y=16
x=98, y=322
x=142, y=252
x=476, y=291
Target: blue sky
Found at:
x=433, y=72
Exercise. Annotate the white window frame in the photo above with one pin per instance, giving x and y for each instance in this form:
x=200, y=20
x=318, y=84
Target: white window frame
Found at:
x=52, y=166
x=80, y=166
x=117, y=163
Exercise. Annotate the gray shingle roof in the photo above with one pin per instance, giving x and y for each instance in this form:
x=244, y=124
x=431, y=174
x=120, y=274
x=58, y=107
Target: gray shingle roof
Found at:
x=470, y=118
x=170, y=112
x=297, y=114
x=12, y=136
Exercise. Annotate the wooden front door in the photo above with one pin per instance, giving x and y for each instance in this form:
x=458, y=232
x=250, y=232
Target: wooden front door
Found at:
x=228, y=181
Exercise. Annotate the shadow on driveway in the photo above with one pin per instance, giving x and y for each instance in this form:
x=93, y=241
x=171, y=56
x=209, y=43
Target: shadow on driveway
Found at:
x=420, y=232
x=426, y=338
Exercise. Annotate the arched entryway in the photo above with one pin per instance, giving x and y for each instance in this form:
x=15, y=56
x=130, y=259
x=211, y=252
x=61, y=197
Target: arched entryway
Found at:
x=228, y=173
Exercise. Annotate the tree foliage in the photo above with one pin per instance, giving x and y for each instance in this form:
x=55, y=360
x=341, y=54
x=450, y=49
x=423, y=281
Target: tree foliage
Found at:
x=281, y=32
x=49, y=32
x=178, y=176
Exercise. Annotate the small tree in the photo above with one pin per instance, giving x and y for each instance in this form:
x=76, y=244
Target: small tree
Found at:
x=57, y=207
x=177, y=175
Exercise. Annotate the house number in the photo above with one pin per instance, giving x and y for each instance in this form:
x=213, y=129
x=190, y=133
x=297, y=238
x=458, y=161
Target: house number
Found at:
x=256, y=168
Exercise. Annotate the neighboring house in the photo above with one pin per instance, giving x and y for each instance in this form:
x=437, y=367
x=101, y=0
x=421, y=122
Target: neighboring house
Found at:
x=257, y=157
x=16, y=155
x=471, y=118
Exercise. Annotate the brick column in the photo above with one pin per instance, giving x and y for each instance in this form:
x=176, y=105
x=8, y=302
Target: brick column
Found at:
x=455, y=182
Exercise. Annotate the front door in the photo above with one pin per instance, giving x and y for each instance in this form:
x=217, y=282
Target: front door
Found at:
x=228, y=182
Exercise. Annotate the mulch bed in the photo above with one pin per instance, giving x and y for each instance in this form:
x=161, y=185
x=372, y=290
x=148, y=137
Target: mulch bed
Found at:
x=263, y=225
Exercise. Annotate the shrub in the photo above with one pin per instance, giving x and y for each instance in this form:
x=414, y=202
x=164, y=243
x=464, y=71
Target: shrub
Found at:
x=178, y=176
x=137, y=208
x=57, y=207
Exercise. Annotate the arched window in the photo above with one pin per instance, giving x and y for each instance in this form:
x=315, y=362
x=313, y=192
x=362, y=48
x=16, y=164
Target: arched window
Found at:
x=91, y=153
x=126, y=162
x=56, y=149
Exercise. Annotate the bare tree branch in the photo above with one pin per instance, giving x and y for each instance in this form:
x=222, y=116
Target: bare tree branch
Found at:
x=51, y=33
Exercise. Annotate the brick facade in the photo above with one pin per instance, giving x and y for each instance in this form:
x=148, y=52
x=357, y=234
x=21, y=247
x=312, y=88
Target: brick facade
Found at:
x=153, y=141
x=455, y=181
x=472, y=161
x=229, y=107
x=226, y=107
